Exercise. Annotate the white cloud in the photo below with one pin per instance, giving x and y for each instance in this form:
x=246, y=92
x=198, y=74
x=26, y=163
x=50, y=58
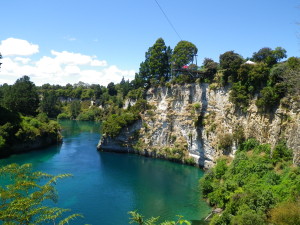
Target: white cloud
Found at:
x=23, y=60
x=17, y=47
x=62, y=68
x=65, y=57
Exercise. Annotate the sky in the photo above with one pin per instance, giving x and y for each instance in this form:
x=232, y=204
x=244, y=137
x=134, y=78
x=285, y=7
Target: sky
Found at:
x=97, y=42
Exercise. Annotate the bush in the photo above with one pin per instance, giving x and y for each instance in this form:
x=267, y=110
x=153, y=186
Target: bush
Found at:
x=282, y=153
x=63, y=116
x=248, y=145
x=286, y=213
x=225, y=142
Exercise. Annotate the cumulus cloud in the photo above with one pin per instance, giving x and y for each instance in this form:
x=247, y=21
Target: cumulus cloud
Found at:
x=17, y=47
x=61, y=68
x=23, y=60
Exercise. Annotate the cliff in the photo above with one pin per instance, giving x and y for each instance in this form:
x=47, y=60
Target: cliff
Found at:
x=196, y=122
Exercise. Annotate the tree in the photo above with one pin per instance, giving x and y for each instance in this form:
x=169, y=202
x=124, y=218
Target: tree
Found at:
x=111, y=87
x=24, y=199
x=157, y=62
x=210, y=67
x=269, y=56
x=230, y=62
x=75, y=108
x=50, y=104
x=22, y=97
x=183, y=53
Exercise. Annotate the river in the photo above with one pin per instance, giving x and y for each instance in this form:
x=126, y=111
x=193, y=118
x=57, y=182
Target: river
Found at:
x=105, y=186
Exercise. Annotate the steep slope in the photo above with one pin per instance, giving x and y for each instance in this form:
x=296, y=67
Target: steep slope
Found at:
x=195, y=121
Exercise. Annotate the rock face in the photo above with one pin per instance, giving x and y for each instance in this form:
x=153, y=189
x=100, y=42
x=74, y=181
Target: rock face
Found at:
x=194, y=121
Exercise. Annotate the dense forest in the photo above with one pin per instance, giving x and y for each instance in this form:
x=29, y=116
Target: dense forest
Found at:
x=23, y=127
x=259, y=186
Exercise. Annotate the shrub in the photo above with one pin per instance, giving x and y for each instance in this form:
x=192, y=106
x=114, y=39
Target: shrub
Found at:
x=281, y=152
x=225, y=142
x=286, y=213
x=63, y=116
x=248, y=145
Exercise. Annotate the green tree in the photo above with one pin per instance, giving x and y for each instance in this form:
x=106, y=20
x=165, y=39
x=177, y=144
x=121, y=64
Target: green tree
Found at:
x=97, y=90
x=210, y=67
x=230, y=62
x=269, y=56
x=22, y=97
x=183, y=54
x=111, y=87
x=24, y=200
x=75, y=108
x=50, y=104
x=157, y=62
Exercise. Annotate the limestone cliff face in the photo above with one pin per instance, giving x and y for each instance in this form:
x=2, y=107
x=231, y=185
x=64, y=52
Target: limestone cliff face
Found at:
x=193, y=121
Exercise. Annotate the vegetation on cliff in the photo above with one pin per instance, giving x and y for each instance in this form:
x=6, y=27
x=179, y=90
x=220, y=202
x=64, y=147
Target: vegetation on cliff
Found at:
x=255, y=186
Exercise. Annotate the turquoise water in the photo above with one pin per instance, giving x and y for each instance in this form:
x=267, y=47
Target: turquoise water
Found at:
x=106, y=186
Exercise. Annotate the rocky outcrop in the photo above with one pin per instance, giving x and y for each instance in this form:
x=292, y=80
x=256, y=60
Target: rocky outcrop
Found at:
x=124, y=142
x=195, y=121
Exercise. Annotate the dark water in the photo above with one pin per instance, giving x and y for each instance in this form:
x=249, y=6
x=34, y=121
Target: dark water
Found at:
x=106, y=186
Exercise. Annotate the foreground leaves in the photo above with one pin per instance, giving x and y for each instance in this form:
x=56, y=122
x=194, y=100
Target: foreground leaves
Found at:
x=22, y=199
x=139, y=219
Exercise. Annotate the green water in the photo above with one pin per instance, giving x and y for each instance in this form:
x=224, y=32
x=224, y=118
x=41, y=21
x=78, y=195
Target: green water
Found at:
x=106, y=186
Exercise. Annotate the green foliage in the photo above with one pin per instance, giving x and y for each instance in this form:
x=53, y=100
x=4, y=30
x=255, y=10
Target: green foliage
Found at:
x=210, y=68
x=113, y=123
x=136, y=94
x=139, y=219
x=22, y=97
x=249, y=144
x=16, y=129
x=269, y=56
x=24, y=199
x=269, y=98
x=111, y=89
x=286, y=213
x=157, y=63
x=75, y=108
x=255, y=182
x=91, y=114
x=225, y=142
x=183, y=53
x=63, y=116
x=239, y=96
x=247, y=216
x=50, y=104
x=230, y=62
x=282, y=153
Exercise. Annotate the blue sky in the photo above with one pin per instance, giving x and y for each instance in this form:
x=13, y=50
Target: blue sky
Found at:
x=94, y=41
